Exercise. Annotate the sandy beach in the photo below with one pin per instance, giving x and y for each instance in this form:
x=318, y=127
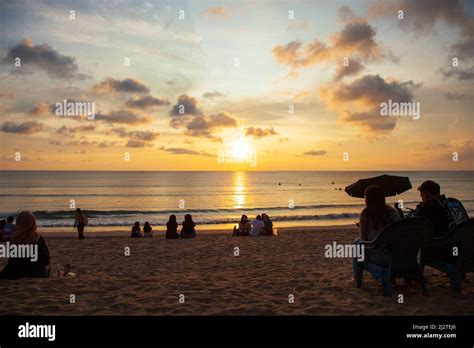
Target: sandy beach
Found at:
x=215, y=282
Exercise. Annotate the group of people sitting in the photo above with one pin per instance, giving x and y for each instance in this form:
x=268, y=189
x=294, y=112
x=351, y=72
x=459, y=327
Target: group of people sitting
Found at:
x=377, y=215
x=261, y=226
x=187, y=231
x=7, y=227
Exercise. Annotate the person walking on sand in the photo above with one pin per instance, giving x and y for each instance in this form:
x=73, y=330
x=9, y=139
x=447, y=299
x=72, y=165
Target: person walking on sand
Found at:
x=147, y=230
x=172, y=228
x=188, y=230
x=80, y=222
x=257, y=226
x=136, y=230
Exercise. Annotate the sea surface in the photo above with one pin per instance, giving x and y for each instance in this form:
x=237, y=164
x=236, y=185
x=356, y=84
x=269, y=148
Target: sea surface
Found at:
x=216, y=200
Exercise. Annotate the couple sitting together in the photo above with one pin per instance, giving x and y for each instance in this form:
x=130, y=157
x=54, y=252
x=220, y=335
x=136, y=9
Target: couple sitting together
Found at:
x=261, y=226
x=377, y=214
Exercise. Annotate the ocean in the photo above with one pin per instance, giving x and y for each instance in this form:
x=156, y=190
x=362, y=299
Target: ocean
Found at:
x=216, y=200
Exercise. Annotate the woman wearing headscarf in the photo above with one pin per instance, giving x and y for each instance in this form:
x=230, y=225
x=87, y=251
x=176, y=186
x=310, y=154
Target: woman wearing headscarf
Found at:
x=26, y=234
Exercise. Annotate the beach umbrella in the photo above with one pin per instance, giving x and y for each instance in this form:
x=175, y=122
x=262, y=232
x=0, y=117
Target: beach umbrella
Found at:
x=391, y=184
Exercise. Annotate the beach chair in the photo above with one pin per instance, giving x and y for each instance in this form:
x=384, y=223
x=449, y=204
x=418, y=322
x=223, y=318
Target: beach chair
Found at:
x=452, y=254
x=394, y=253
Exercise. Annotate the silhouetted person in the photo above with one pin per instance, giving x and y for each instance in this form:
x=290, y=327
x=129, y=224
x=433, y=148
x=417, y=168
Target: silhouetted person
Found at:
x=257, y=226
x=2, y=225
x=434, y=207
x=8, y=229
x=188, y=227
x=267, y=225
x=147, y=230
x=80, y=222
x=136, y=231
x=172, y=228
x=373, y=219
x=244, y=226
x=376, y=215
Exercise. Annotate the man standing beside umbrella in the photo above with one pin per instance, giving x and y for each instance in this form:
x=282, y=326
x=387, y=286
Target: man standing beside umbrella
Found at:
x=434, y=207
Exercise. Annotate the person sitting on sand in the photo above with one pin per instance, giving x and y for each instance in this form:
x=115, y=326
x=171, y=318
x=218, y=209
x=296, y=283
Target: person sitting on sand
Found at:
x=147, y=230
x=172, y=228
x=244, y=226
x=8, y=229
x=257, y=226
x=21, y=267
x=2, y=225
x=80, y=222
x=268, y=225
x=136, y=231
x=188, y=230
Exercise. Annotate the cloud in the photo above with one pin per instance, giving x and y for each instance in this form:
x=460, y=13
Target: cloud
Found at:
x=259, y=133
x=363, y=97
x=28, y=127
x=43, y=57
x=146, y=102
x=123, y=116
x=454, y=95
x=136, y=135
x=185, y=105
x=137, y=143
x=216, y=11
x=111, y=85
x=212, y=95
x=458, y=73
x=315, y=153
x=370, y=120
x=205, y=126
x=353, y=68
x=422, y=15
x=40, y=109
x=65, y=130
x=184, y=151
x=369, y=90
x=357, y=39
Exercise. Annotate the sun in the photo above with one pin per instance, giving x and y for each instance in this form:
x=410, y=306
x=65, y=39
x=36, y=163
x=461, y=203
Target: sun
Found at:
x=240, y=148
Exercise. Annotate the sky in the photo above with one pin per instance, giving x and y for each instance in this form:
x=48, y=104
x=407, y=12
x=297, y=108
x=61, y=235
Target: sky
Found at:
x=236, y=85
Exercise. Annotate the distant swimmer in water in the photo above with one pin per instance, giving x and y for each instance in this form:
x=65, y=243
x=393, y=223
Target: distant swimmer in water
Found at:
x=332, y=183
x=279, y=183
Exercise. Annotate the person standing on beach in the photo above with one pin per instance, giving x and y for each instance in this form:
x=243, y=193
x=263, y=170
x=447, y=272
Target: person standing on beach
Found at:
x=188, y=230
x=172, y=228
x=80, y=222
x=8, y=229
x=257, y=226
